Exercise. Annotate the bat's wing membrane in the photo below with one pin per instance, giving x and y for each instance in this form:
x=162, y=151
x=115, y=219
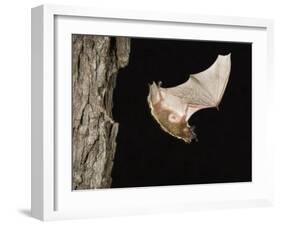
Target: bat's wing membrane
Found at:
x=204, y=89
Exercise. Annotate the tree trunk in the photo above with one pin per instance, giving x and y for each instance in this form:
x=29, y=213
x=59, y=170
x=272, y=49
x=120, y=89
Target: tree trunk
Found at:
x=95, y=64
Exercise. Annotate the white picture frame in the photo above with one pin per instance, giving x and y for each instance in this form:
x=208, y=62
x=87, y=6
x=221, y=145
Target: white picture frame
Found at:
x=52, y=197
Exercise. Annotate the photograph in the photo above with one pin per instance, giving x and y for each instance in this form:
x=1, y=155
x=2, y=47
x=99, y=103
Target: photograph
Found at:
x=160, y=112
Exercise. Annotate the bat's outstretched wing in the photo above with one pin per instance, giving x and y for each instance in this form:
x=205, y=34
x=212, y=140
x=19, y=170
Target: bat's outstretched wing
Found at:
x=204, y=89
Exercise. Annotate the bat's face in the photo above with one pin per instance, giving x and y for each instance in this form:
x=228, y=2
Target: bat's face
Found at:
x=170, y=113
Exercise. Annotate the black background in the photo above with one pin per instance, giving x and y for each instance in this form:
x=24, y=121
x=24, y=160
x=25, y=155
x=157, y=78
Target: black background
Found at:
x=148, y=156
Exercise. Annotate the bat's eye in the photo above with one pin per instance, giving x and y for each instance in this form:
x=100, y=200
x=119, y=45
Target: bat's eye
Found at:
x=174, y=118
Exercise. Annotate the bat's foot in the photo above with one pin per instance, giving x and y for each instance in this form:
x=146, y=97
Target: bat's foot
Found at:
x=193, y=134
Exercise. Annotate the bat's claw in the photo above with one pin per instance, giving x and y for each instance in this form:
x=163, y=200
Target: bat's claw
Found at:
x=217, y=107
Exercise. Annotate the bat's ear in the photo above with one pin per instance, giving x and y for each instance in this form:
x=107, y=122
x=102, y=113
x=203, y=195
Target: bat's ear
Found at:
x=154, y=93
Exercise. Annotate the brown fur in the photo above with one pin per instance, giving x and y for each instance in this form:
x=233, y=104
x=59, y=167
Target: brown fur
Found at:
x=179, y=130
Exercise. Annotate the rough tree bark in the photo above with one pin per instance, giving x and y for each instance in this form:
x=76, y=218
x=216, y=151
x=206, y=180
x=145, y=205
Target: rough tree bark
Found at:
x=95, y=64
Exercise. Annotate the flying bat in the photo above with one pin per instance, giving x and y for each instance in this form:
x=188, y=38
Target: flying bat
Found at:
x=172, y=107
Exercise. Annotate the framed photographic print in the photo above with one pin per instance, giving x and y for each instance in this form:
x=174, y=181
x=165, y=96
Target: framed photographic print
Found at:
x=137, y=112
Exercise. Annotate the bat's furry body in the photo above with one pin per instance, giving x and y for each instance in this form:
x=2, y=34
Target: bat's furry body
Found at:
x=172, y=107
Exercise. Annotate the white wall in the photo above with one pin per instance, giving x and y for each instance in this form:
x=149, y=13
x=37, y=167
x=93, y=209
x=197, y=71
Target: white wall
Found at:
x=15, y=112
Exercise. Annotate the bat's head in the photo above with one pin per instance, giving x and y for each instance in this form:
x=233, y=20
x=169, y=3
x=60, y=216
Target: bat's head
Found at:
x=170, y=112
